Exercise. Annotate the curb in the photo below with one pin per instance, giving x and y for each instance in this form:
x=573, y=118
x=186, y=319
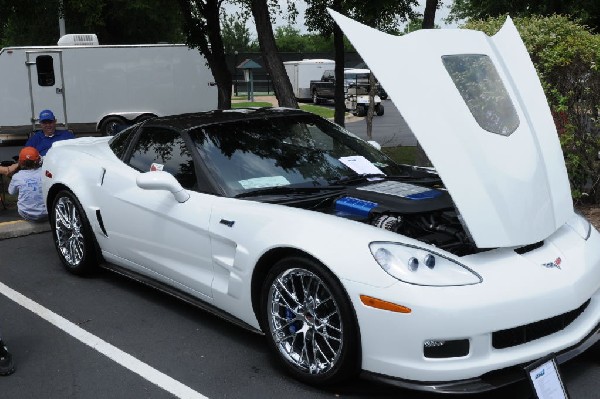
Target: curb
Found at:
x=19, y=228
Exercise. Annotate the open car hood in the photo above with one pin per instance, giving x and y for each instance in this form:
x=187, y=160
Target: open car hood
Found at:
x=477, y=107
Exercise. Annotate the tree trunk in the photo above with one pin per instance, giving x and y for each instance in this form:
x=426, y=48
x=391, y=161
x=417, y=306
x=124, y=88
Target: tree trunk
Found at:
x=340, y=60
x=428, y=23
x=339, y=96
x=429, y=14
x=371, y=109
x=205, y=34
x=274, y=65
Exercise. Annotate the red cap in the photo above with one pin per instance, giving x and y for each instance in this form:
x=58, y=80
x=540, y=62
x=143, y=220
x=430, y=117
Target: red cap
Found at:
x=29, y=154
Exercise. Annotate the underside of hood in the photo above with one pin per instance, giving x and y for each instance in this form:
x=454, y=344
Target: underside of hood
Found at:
x=476, y=106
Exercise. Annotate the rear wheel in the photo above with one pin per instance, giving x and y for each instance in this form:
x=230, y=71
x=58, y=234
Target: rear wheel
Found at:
x=309, y=322
x=73, y=237
x=112, y=125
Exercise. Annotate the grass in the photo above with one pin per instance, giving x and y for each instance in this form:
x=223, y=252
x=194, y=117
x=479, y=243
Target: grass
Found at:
x=325, y=112
x=315, y=109
x=251, y=104
x=404, y=155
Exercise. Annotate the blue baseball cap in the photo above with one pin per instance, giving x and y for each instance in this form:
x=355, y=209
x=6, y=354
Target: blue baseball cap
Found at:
x=47, y=115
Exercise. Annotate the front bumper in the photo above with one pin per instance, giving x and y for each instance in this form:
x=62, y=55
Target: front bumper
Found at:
x=487, y=382
x=519, y=295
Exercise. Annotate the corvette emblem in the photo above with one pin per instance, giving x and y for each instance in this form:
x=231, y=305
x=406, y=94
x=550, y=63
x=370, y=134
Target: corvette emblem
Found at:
x=555, y=264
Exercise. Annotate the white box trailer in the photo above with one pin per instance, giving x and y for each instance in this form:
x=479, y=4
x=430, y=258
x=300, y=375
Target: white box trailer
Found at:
x=92, y=88
x=302, y=72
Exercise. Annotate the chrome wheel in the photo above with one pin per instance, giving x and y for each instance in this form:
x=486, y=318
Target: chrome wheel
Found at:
x=68, y=227
x=305, y=321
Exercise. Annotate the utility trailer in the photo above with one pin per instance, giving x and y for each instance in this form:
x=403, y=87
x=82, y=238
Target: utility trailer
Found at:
x=302, y=72
x=92, y=88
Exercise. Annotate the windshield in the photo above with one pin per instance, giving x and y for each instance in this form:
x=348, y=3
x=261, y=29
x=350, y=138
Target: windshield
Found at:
x=300, y=151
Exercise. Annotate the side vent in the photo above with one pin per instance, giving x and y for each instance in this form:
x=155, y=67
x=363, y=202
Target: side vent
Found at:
x=101, y=223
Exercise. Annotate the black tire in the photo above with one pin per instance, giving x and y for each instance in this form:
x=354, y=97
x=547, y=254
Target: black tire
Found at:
x=315, y=98
x=361, y=110
x=112, y=125
x=73, y=236
x=379, y=109
x=292, y=325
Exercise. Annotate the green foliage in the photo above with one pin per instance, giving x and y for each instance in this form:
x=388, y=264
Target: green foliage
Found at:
x=567, y=58
x=235, y=33
x=385, y=14
x=316, y=109
x=290, y=40
x=31, y=22
x=401, y=155
x=587, y=12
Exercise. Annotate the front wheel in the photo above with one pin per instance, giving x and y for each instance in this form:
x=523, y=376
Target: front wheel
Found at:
x=309, y=322
x=315, y=98
x=73, y=237
x=379, y=109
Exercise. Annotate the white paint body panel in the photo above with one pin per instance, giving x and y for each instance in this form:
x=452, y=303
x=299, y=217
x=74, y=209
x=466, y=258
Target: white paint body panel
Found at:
x=509, y=190
x=185, y=245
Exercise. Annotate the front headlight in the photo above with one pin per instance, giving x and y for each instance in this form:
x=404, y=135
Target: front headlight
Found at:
x=419, y=266
x=581, y=226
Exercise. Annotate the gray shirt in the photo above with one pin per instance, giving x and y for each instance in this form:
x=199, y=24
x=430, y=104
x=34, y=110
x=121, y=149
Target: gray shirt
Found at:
x=30, y=203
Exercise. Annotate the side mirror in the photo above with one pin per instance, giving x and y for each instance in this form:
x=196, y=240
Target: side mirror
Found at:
x=375, y=144
x=160, y=180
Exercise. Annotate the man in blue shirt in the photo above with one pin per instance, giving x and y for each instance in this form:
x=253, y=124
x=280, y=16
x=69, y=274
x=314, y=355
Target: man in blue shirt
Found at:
x=42, y=139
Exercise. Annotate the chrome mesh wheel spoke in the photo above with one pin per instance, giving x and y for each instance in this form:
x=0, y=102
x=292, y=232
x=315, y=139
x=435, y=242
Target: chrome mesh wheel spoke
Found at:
x=305, y=321
x=69, y=239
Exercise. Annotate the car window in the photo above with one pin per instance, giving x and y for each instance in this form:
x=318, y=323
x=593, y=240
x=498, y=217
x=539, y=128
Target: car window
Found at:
x=163, y=149
x=120, y=141
x=301, y=152
x=482, y=89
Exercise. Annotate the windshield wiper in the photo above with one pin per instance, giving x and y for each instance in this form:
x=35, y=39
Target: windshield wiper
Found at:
x=284, y=190
x=359, y=178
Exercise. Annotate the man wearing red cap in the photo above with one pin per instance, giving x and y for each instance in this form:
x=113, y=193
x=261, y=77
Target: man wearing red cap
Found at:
x=42, y=139
x=27, y=182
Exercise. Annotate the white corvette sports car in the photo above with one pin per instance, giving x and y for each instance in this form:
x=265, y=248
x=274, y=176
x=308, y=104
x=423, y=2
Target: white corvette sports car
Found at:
x=288, y=225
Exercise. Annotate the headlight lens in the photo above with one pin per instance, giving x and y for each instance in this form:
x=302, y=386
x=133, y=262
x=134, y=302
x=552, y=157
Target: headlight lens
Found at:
x=420, y=266
x=581, y=226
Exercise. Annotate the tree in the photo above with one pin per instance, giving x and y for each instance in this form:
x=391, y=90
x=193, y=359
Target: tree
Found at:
x=586, y=11
x=30, y=22
x=274, y=64
x=236, y=35
x=203, y=31
x=431, y=7
x=383, y=14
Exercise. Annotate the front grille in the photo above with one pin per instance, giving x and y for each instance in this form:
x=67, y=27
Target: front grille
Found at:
x=530, y=332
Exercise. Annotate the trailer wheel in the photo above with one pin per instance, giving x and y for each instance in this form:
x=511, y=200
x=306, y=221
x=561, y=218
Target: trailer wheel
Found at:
x=111, y=125
x=315, y=98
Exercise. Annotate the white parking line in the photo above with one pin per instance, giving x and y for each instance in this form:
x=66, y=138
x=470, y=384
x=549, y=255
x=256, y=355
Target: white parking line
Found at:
x=124, y=359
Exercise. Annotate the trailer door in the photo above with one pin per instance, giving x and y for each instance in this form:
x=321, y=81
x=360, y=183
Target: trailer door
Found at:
x=46, y=84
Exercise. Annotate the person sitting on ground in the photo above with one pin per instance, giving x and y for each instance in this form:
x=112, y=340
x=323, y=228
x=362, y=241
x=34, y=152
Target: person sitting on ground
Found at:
x=42, y=139
x=7, y=367
x=9, y=170
x=27, y=182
